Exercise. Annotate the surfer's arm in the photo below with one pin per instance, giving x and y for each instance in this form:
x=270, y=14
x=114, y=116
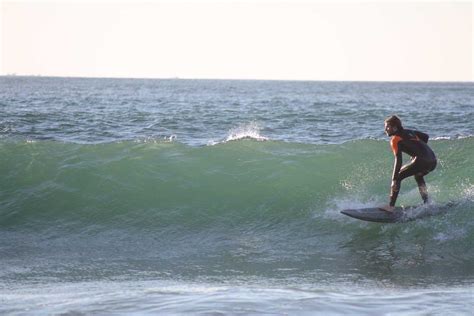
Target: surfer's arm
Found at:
x=395, y=187
x=397, y=165
x=424, y=137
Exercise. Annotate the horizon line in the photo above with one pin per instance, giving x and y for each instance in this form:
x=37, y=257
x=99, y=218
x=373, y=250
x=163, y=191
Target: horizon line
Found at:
x=13, y=75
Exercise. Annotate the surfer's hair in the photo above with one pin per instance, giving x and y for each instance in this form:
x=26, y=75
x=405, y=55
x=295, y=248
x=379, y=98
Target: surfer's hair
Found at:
x=394, y=121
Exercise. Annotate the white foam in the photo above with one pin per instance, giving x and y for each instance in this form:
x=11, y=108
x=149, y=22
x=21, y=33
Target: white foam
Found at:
x=244, y=131
x=452, y=137
x=468, y=192
x=451, y=235
x=171, y=138
x=249, y=130
x=187, y=289
x=155, y=140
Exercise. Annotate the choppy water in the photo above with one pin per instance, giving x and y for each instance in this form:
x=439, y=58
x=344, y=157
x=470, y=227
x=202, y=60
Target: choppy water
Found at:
x=200, y=196
x=199, y=112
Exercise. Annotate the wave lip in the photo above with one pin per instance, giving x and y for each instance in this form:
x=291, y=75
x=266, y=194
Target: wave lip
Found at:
x=244, y=131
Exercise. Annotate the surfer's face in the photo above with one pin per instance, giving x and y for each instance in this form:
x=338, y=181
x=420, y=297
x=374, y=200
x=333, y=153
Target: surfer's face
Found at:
x=390, y=129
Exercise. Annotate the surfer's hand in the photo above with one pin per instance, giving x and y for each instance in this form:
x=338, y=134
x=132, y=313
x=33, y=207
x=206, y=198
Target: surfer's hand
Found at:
x=387, y=208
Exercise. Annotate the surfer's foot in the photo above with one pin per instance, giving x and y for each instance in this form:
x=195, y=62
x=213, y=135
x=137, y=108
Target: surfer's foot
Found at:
x=428, y=201
x=387, y=208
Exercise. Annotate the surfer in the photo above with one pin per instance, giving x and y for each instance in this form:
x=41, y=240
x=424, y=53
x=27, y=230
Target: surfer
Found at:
x=423, y=160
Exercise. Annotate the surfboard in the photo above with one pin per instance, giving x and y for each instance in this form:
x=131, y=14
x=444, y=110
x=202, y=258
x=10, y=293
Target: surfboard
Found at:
x=375, y=214
x=399, y=214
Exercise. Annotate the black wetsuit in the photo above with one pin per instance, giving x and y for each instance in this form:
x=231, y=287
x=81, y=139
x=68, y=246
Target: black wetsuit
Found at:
x=413, y=143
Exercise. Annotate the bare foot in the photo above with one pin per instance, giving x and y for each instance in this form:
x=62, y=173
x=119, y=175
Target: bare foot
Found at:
x=387, y=208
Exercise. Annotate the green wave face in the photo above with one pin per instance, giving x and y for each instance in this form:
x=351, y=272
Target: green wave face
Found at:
x=246, y=206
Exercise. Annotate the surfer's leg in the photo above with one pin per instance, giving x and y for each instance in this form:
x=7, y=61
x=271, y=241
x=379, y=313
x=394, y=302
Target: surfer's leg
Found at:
x=425, y=167
x=422, y=187
x=418, y=168
x=408, y=170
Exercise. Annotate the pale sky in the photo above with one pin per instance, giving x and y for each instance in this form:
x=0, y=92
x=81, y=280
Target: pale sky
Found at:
x=232, y=39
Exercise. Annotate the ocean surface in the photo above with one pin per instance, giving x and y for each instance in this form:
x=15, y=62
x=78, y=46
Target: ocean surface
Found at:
x=210, y=197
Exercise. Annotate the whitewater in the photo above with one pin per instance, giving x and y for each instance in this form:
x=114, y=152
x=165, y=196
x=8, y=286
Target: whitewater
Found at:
x=130, y=196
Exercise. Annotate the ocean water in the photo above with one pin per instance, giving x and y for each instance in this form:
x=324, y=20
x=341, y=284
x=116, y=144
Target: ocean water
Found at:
x=129, y=196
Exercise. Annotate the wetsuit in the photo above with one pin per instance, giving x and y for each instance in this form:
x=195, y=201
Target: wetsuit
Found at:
x=423, y=160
